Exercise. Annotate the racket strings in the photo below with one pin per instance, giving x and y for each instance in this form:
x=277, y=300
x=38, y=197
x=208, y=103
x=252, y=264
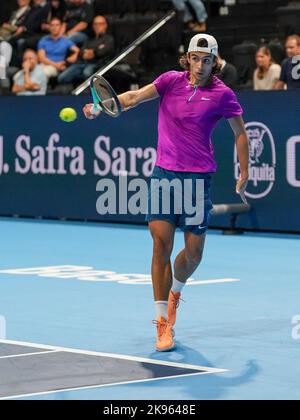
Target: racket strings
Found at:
x=104, y=93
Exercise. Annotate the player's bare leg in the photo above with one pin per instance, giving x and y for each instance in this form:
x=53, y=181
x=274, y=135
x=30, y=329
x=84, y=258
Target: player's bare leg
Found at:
x=185, y=264
x=190, y=257
x=163, y=239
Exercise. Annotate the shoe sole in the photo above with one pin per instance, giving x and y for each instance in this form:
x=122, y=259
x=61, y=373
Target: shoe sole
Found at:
x=167, y=349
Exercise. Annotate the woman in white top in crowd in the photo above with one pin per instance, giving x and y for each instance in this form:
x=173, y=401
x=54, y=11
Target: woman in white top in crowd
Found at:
x=267, y=72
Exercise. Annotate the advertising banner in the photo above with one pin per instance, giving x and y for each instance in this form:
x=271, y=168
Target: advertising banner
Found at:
x=53, y=169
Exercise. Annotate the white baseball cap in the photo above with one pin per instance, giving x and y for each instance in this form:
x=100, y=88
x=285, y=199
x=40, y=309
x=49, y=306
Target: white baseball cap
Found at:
x=212, y=45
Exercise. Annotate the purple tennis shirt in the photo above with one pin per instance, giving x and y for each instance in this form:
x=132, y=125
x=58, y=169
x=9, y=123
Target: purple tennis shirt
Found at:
x=187, y=118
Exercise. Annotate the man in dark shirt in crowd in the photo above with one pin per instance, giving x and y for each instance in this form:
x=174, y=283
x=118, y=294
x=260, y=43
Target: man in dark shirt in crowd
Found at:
x=16, y=20
x=290, y=68
x=30, y=32
x=94, y=54
x=79, y=16
x=228, y=73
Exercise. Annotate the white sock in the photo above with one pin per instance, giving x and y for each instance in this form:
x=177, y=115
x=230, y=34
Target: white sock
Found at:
x=161, y=309
x=177, y=286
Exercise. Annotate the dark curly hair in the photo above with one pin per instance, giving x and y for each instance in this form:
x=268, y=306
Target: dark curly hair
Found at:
x=183, y=61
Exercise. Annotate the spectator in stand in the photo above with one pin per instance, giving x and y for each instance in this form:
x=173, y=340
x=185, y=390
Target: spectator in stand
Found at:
x=94, y=54
x=54, y=50
x=5, y=58
x=30, y=32
x=12, y=27
x=31, y=80
x=183, y=6
x=267, y=72
x=6, y=72
x=58, y=8
x=292, y=46
x=78, y=18
x=228, y=73
x=289, y=74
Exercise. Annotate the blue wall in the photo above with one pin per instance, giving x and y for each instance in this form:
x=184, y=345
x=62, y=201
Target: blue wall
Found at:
x=32, y=185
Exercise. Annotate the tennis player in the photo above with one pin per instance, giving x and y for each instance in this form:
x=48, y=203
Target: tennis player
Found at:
x=191, y=104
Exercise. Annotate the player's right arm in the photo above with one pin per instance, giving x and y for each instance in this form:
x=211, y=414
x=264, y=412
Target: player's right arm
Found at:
x=128, y=100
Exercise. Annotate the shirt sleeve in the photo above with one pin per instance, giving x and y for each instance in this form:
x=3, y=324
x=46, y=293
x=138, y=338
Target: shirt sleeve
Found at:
x=164, y=81
x=275, y=73
x=230, y=105
x=70, y=43
x=41, y=44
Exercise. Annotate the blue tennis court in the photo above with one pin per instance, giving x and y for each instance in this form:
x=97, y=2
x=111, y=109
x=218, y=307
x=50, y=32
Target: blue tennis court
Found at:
x=76, y=309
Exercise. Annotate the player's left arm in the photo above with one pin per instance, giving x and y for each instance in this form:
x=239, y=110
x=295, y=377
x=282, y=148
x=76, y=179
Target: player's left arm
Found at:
x=242, y=146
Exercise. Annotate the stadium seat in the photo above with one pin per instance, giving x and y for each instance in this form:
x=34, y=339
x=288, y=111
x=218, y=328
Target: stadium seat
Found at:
x=124, y=7
x=289, y=18
x=104, y=7
x=277, y=50
x=145, y=6
x=124, y=33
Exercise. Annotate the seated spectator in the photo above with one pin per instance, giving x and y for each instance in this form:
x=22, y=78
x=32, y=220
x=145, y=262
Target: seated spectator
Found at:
x=292, y=46
x=78, y=18
x=200, y=12
x=53, y=51
x=94, y=54
x=5, y=58
x=58, y=9
x=12, y=27
x=228, y=73
x=288, y=77
x=30, y=32
x=6, y=72
x=31, y=80
x=267, y=72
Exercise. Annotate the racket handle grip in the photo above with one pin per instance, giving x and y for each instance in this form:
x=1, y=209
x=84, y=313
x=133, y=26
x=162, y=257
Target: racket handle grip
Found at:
x=95, y=109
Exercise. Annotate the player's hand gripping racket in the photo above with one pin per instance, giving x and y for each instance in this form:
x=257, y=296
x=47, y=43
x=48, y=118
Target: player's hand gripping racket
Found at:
x=105, y=98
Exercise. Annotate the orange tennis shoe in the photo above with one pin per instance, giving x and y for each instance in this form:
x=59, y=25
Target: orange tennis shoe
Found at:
x=173, y=304
x=165, y=340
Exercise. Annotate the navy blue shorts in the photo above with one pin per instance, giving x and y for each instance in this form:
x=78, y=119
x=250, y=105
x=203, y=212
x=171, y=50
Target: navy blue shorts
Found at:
x=183, y=199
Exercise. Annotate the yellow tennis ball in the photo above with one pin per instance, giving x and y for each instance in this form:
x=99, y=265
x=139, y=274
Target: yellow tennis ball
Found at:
x=68, y=114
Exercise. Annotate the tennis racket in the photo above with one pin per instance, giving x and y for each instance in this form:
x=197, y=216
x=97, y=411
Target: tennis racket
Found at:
x=105, y=98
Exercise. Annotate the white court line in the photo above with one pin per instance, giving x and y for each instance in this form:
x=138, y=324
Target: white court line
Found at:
x=217, y=281
x=115, y=356
x=83, y=388
x=11, y=356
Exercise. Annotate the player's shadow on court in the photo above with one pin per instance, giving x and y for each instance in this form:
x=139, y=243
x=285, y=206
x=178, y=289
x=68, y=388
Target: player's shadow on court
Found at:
x=205, y=387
